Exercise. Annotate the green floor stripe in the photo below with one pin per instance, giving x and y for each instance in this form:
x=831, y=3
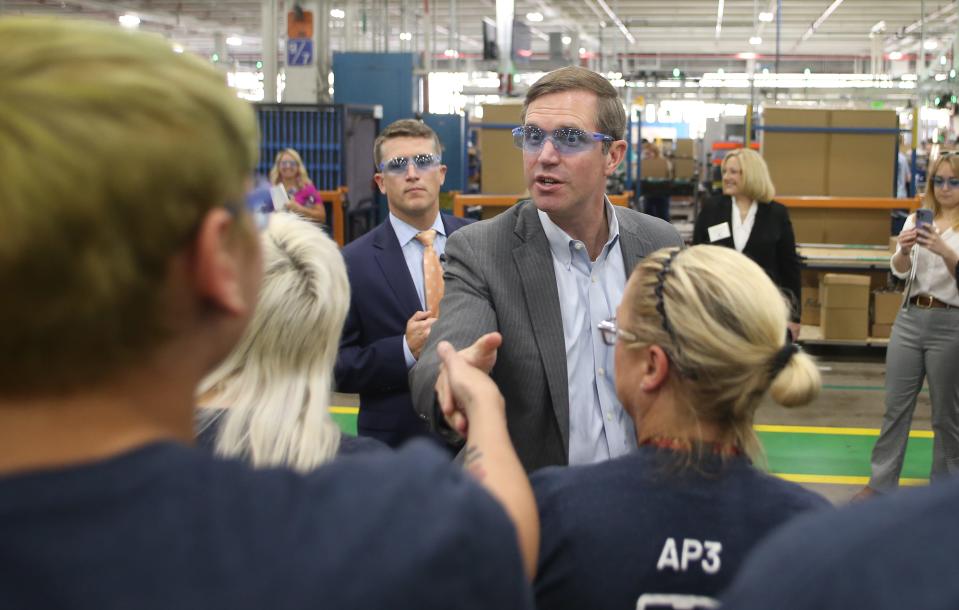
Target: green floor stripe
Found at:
x=859, y=388
x=837, y=455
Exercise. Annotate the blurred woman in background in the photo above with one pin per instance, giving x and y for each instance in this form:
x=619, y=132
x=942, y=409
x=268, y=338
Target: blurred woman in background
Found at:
x=268, y=402
x=924, y=343
x=288, y=170
x=746, y=218
x=700, y=338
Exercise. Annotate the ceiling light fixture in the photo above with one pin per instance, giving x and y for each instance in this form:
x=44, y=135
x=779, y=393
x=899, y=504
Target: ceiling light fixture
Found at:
x=719, y=17
x=822, y=18
x=930, y=45
x=617, y=21
x=337, y=13
x=895, y=55
x=766, y=17
x=234, y=41
x=406, y=36
x=755, y=40
x=534, y=17
x=567, y=39
x=129, y=20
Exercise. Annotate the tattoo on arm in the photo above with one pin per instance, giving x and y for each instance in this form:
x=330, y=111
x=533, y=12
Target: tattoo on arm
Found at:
x=473, y=462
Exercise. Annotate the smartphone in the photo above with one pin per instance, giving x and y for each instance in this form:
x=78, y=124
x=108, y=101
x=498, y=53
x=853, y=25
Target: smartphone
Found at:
x=923, y=217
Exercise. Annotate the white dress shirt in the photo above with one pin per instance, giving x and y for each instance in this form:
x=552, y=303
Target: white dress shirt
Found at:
x=589, y=292
x=413, y=253
x=742, y=228
x=932, y=277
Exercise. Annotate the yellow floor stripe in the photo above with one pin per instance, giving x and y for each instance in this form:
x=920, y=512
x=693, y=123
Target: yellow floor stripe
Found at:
x=841, y=480
x=345, y=410
x=832, y=430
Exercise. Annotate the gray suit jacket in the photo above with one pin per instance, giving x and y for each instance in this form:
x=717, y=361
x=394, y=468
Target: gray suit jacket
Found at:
x=499, y=277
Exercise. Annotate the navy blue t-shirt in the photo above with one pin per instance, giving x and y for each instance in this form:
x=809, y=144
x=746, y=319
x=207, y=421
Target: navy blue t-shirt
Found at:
x=895, y=552
x=168, y=526
x=639, y=526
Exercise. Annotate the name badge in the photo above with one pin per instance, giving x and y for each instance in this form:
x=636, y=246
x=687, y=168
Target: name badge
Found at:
x=720, y=231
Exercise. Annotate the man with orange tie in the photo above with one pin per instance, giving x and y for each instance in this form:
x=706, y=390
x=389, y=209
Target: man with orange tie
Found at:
x=396, y=281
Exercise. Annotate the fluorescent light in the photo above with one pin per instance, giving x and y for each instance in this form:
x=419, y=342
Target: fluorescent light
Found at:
x=234, y=41
x=719, y=17
x=766, y=16
x=534, y=17
x=337, y=13
x=755, y=40
x=617, y=21
x=746, y=55
x=451, y=53
x=129, y=20
x=406, y=36
x=878, y=28
x=929, y=45
x=895, y=55
x=822, y=18
x=940, y=77
x=567, y=39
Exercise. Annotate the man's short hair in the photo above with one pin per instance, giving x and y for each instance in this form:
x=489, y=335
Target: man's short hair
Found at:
x=114, y=148
x=610, y=114
x=404, y=128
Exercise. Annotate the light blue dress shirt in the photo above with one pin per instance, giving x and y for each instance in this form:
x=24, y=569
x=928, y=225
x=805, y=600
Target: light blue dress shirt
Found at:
x=590, y=292
x=413, y=253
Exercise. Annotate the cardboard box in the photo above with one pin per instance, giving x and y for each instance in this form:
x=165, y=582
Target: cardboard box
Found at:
x=845, y=306
x=852, y=154
x=684, y=169
x=797, y=161
x=810, y=306
x=881, y=331
x=845, y=324
x=885, y=306
x=685, y=147
x=654, y=168
x=502, y=170
x=843, y=291
x=893, y=244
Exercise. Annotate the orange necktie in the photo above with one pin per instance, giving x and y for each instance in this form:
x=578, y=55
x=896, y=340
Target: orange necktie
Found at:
x=432, y=272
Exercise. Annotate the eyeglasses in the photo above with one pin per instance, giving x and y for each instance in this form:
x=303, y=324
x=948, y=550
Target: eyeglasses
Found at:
x=397, y=165
x=566, y=140
x=939, y=182
x=610, y=331
x=288, y=163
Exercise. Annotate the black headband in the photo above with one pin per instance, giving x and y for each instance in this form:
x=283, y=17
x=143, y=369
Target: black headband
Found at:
x=782, y=357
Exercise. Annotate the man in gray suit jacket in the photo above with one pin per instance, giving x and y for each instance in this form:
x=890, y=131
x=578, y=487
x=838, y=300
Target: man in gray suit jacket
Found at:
x=543, y=274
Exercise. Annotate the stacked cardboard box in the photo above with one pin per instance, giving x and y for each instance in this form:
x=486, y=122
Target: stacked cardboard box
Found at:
x=845, y=306
x=501, y=172
x=810, y=298
x=885, y=306
x=684, y=159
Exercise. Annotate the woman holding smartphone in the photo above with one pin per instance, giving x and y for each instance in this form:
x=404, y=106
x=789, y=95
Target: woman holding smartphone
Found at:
x=925, y=337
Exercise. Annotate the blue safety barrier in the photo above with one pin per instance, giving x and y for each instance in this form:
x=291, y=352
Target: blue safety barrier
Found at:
x=315, y=131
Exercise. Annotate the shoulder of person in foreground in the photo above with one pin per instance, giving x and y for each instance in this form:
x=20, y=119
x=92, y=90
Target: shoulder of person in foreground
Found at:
x=892, y=552
x=658, y=232
x=422, y=531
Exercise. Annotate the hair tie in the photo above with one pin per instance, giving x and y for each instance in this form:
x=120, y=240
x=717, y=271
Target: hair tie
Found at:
x=782, y=357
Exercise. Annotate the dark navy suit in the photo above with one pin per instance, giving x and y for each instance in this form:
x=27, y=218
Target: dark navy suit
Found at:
x=371, y=361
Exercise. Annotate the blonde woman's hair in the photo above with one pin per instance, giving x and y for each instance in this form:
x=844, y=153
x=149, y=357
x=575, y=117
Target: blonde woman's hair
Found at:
x=929, y=198
x=112, y=150
x=757, y=185
x=276, y=383
x=302, y=176
x=725, y=325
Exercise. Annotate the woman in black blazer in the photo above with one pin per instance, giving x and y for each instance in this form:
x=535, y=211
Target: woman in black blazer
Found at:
x=746, y=218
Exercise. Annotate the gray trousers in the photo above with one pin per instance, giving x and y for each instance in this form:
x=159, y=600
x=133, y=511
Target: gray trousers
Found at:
x=924, y=344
